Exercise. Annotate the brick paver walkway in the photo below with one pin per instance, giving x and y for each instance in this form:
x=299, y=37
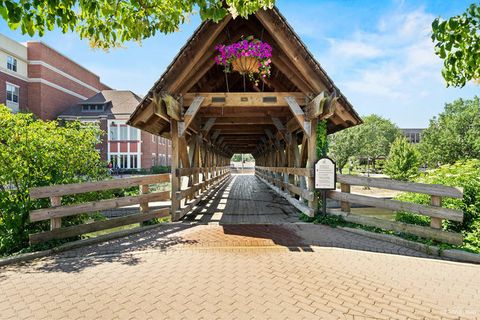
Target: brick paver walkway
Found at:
x=182, y=271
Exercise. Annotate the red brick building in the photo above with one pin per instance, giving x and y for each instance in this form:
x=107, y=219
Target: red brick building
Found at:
x=36, y=78
x=39, y=79
x=126, y=147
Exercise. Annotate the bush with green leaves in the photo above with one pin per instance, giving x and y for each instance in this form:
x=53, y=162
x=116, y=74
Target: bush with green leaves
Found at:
x=465, y=174
x=403, y=160
x=38, y=153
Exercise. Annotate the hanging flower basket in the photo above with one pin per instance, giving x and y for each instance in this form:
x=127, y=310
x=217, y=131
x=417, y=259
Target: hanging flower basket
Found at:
x=249, y=57
x=245, y=65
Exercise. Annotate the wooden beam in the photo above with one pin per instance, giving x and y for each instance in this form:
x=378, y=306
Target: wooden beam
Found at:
x=245, y=99
x=299, y=115
x=316, y=107
x=173, y=107
x=189, y=115
x=207, y=126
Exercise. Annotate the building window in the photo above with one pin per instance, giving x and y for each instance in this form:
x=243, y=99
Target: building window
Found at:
x=13, y=93
x=12, y=63
x=123, y=133
x=113, y=132
x=133, y=161
x=93, y=108
x=154, y=138
x=133, y=133
x=154, y=159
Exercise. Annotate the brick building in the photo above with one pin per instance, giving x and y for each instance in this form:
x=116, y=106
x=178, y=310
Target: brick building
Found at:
x=126, y=147
x=39, y=79
x=36, y=78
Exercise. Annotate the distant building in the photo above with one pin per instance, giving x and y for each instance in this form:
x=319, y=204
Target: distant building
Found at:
x=126, y=147
x=39, y=79
x=413, y=135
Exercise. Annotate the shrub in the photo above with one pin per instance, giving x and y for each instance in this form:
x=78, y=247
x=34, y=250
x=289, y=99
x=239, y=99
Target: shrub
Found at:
x=160, y=169
x=38, y=153
x=464, y=174
x=403, y=160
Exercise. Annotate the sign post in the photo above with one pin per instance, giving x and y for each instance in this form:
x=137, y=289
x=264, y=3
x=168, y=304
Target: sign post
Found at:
x=325, y=178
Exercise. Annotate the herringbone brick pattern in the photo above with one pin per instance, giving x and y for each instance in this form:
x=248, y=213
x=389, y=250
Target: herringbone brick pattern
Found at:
x=215, y=272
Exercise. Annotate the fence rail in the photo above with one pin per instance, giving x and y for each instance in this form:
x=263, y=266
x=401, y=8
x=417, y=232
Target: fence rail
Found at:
x=296, y=195
x=211, y=176
x=56, y=212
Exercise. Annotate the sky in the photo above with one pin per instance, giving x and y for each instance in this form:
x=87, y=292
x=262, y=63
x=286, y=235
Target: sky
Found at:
x=378, y=52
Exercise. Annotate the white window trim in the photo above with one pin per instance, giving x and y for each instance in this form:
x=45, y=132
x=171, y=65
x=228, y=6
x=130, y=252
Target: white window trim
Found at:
x=16, y=86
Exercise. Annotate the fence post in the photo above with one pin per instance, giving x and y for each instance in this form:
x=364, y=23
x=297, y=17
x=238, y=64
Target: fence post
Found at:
x=345, y=206
x=144, y=204
x=436, y=223
x=55, y=223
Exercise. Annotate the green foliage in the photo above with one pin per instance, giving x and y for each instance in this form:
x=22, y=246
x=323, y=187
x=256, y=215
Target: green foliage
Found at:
x=37, y=153
x=457, y=42
x=403, y=160
x=371, y=139
x=454, y=135
x=465, y=174
x=322, y=142
x=237, y=157
x=160, y=169
x=109, y=23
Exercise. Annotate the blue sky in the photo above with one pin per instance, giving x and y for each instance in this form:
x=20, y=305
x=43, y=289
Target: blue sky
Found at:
x=378, y=53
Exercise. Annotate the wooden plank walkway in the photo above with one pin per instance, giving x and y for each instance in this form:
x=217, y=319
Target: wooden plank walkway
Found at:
x=244, y=199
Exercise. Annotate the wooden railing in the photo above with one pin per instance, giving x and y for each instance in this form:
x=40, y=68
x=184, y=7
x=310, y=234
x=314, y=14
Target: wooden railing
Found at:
x=434, y=210
x=272, y=177
x=211, y=176
x=56, y=212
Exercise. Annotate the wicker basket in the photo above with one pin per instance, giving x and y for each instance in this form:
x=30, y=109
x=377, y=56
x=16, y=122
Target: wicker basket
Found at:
x=245, y=65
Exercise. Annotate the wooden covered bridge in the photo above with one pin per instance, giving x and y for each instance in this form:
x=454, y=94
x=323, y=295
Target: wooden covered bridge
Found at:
x=209, y=115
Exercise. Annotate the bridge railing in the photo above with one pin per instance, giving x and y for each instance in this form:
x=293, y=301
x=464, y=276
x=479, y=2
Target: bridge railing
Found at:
x=191, y=196
x=272, y=177
x=346, y=198
x=434, y=210
x=56, y=211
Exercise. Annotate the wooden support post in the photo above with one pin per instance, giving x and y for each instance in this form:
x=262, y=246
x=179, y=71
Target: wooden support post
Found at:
x=55, y=223
x=436, y=223
x=345, y=206
x=312, y=159
x=144, y=204
x=175, y=165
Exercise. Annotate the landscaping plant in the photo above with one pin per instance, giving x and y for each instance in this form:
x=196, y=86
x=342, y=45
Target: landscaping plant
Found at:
x=403, y=160
x=37, y=153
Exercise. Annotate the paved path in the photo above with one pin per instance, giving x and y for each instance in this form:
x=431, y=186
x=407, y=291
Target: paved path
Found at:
x=244, y=199
x=189, y=271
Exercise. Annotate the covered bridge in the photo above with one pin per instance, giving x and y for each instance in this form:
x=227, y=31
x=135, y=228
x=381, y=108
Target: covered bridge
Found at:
x=209, y=114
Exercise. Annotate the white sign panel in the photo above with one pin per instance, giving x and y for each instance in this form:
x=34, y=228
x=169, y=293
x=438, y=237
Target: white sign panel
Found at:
x=325, y=174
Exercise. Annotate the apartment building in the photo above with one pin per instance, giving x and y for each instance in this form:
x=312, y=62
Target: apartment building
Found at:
x=35, y=77
x=413, y=135
x=126, y=147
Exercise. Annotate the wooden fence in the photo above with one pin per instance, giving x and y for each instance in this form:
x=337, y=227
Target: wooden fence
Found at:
x=191, y=196
x=278, y=178
x=56, y=212
x=271, y=176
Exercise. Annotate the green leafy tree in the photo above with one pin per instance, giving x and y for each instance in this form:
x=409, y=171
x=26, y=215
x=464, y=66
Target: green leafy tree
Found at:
x=38, y=153
x=371, y=140
x=453, y=135
x=246, y=157
x=403, y=161
x=457, y=42
x=109, y=23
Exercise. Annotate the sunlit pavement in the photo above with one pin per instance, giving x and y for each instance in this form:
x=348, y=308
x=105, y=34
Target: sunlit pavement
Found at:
x=188, y=271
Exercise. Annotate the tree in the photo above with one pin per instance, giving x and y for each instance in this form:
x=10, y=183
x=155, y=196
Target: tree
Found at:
x=109, y=23
x=371, y=140
x=38, y=153
x=453, y=135
x=403, y=160
x=237, y=157
x=457, y=42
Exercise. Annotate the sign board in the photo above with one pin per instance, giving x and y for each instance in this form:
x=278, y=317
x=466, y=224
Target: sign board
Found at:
x=325, y=174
